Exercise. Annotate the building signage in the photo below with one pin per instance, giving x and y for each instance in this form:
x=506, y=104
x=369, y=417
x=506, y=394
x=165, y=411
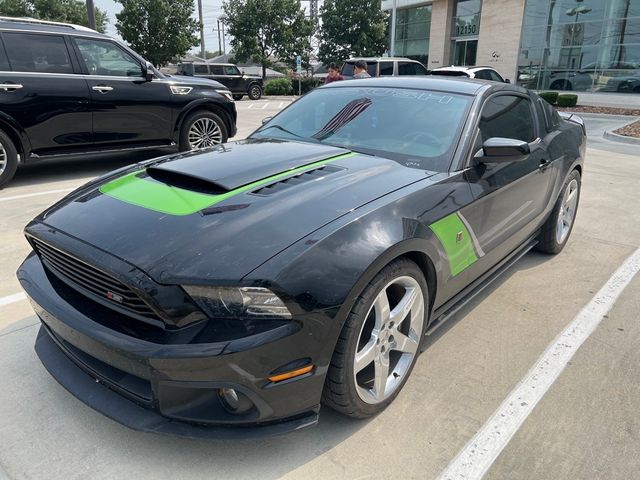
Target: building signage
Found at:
x=467, y=26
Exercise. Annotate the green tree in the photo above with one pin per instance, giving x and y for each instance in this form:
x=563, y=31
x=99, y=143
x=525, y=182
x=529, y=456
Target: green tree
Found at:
x=68, y=11
x=262, y=30
x=159, y=30
x=352, y=28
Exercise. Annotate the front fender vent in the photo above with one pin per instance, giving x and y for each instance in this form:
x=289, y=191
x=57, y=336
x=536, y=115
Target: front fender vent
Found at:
x=303, y=177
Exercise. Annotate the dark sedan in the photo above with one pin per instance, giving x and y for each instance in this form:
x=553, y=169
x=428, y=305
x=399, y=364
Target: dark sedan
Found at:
x=231, y=291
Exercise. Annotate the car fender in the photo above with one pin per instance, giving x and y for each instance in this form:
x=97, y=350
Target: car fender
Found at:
x=202, y=104
x=17, y=134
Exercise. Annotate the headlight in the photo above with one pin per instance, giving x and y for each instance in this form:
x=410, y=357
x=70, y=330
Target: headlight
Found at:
x=238, y=302
x=226, y=94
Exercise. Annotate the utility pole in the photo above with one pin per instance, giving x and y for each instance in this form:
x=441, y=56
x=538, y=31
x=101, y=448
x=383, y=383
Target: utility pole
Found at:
x=202, y=49
x=219, y=43
x=91, y=15
x=392, y=53
x=223, y=18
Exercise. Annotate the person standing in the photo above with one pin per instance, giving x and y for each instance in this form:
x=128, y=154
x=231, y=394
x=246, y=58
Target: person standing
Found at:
x=334, y=74
x=360, y=69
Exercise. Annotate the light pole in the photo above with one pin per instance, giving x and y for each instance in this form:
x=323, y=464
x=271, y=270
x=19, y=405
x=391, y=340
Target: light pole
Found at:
x=575, y=11
x=223, y=19
x=91, y=15
x=203, y=53
x=392, y=53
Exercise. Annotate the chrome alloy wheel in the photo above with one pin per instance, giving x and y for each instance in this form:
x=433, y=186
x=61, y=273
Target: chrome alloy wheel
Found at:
x=3, y=159
x=567, y=213
x=204, y=133
x=388, y=340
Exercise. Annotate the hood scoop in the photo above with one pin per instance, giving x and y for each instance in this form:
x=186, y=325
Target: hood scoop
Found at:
x=234, y=165
x=185, y=181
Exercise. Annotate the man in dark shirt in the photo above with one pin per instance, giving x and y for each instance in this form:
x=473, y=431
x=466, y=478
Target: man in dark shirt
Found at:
x=360, y=69
x=334, y=74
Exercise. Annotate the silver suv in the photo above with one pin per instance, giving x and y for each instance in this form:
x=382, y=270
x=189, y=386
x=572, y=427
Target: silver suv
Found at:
x=385, y=67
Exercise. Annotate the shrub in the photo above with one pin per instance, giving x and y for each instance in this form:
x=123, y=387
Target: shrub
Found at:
x=567, y=100
x=278, y=86
x=551, y=97
x=307, y=84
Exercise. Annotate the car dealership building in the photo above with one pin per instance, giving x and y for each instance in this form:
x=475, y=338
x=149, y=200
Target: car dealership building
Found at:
x=582, y=45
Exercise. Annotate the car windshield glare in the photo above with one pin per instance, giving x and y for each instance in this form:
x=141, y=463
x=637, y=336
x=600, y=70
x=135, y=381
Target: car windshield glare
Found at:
x=417, y=128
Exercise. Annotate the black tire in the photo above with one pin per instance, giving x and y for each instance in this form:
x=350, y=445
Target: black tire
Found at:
x=184, y=144
x=237, y=96
x=255, y=91
x=340, y=389
x=8, y=159
x=548, y=241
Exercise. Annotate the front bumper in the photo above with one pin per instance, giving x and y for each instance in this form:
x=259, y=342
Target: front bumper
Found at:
x=171, y=389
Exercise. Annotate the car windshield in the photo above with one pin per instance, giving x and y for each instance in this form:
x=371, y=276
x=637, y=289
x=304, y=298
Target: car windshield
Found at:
x=417, y=128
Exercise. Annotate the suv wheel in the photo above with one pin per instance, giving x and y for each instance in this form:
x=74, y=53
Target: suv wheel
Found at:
x=255, y=92
x=8, y=159
x=202, y=129
x=237, y=96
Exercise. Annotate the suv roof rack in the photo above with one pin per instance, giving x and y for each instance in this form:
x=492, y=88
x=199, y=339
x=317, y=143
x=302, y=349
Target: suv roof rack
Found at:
x=37, y=21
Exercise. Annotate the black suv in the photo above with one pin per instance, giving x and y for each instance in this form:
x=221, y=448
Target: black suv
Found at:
x=227, y=74
x=66, y=90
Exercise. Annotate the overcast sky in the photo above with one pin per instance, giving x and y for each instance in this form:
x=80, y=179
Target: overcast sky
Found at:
x=211, y=10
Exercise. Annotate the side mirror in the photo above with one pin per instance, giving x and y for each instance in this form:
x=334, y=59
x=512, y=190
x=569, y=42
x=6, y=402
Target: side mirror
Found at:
x=497, y=149
x=147, y=72
x=266, y=120
x=506, y=80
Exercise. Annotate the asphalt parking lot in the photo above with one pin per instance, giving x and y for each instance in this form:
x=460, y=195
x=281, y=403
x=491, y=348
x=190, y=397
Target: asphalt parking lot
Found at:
x=586, y=426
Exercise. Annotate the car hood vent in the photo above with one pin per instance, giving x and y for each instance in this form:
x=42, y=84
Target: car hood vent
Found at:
x=185, y=181
x=303, y=177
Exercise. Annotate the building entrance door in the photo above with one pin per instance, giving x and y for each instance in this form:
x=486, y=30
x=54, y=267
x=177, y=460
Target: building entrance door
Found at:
x=464, y=52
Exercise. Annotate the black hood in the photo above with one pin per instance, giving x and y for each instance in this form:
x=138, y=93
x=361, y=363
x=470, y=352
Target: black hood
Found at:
x=216, y=215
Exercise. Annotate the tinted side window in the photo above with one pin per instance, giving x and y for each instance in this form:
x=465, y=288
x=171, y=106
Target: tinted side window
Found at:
x=494, y=76
x=406, y=68
x=420, y=70
x=201, y=70
x=386, y=69
x=103, y=57
x=4, y=63
x=216, y=69
x=507, y=116
x=37, y=53
x=482, y=75
x=231, y=70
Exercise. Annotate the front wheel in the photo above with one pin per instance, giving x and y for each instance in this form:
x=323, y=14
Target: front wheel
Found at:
x=237, y=96
x=202, y=129
x=255, y=92
x=8, y=159
x=556, y=230
x=379, y=343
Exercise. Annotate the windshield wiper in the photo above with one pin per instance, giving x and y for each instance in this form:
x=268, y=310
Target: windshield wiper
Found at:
x=279, y=127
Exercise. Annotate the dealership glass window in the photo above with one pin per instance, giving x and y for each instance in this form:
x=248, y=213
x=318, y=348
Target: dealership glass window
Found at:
x=413, y=27
x=591, y=45
x=466, y=21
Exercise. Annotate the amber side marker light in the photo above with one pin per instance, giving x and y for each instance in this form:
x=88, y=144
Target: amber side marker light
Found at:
x=294, y=373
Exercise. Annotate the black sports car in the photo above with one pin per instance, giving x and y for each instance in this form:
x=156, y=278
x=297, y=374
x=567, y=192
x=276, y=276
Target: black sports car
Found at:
x=230, y=291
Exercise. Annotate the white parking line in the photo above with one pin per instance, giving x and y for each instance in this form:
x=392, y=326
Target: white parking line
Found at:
x=475, y=459
x=16, y=297
x=36, y=194
x=281, y=105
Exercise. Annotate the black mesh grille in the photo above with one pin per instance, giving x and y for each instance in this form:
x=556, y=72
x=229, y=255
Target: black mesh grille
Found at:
x=303, y=177
x=88, y=279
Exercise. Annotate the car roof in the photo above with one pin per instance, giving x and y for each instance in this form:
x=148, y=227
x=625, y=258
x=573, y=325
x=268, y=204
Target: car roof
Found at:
x=43, y=26
x=380, y=59
x=465, y=86
x=454, y=68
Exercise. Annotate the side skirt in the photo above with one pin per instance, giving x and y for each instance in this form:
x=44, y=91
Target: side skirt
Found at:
x=450, y=308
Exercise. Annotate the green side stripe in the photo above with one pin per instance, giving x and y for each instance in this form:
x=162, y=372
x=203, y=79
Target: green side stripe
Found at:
x=163, y=198
x=456, y=240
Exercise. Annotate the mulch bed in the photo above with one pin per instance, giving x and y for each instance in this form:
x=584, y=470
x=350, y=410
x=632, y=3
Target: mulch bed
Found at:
x=603, y=110
x=632, y=130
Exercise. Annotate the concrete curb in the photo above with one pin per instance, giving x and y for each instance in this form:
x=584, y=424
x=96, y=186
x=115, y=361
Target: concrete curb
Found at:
x=605, y=116
x=616, y=137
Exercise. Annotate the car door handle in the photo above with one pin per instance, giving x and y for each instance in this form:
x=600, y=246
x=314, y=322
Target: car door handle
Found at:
x=9, y=87
x=544, y=162
x=102, y=88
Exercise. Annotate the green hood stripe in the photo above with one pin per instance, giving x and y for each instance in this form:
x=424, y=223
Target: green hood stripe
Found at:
x=457, y=242
x=152, y=195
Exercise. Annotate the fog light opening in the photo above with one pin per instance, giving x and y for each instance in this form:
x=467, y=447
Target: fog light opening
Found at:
x=233, y=401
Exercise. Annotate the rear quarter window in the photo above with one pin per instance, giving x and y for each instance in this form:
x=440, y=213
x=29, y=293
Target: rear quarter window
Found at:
x=4, y=63
x=40, y=53
x=201, y=70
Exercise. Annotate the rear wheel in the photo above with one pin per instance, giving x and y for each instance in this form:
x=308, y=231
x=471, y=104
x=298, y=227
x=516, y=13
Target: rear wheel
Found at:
x=202, y=129
x=255, y=92
x=379, y=343
x=8, y=159
x=556, y=230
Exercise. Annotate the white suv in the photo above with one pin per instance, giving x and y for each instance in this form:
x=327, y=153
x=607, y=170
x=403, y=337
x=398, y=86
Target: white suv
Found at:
x=483, y=73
